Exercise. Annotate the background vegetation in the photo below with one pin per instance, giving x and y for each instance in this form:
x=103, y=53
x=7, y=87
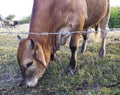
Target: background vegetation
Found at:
x=114, y=21
x=10, y=17
x=25, y=20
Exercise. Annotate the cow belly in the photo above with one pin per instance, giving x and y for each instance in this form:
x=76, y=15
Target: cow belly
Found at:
x=96, y=11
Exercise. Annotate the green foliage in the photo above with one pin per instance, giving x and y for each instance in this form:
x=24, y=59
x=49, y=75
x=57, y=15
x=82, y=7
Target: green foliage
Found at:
x=114, y=21
x=25, y=20
x=10, y=17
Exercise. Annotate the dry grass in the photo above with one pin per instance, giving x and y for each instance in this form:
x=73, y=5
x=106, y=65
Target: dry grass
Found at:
x=95, y=76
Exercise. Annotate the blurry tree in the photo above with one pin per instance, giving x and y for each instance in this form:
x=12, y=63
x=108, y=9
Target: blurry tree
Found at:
x=25, y=20
x=10, y=17
x=114, y=21
x=1, y=18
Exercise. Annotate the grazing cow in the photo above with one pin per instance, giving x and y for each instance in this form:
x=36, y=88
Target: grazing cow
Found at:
x=58, y=16
x=11, y=23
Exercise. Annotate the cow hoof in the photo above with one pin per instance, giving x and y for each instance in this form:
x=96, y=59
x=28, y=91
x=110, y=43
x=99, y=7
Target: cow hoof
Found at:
x=71, y=71
x=82, y=51
x=53, y=59
x=102, y=52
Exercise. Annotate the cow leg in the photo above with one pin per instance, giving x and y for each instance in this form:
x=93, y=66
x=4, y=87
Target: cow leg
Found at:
x=14, y=26
x=96, y=30
x=102, y=50
x=85, y=37
x=103, y=25
x=53, y=57
x=73, y=47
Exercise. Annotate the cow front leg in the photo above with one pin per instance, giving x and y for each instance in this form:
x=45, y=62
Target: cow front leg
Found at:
x=74, y=43
x=53, y=57
x=85, y=37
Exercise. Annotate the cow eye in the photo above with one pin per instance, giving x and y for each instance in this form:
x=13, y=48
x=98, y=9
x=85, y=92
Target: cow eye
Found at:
x=29, y=64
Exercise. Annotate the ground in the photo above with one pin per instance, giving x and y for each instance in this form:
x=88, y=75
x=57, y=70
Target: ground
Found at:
x=94, y=76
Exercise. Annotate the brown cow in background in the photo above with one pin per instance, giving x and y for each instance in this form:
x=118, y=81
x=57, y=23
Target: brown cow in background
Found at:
x=11, y=23
x=59, y=16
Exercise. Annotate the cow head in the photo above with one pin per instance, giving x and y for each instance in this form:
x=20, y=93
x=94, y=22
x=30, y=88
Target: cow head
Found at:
x=31, y=60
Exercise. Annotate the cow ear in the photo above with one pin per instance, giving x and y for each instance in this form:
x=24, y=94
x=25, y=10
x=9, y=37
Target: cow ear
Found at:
x=32, y=44
x=19, y=38
x=40, y=56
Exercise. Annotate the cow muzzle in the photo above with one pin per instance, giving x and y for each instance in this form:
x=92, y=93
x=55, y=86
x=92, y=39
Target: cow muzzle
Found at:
x=31, y=83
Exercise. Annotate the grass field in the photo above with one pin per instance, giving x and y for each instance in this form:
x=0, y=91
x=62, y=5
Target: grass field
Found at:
x=94, y=76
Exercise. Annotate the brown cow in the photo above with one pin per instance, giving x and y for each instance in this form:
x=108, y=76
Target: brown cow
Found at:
x=11, y=23
x=58, y=16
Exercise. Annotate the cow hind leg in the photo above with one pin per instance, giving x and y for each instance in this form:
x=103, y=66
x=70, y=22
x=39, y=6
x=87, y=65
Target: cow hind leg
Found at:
x=83, y=47
x=103, y=25
x=102, y=50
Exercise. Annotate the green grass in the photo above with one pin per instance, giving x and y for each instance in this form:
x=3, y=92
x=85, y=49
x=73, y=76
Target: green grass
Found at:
x=94, y=76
